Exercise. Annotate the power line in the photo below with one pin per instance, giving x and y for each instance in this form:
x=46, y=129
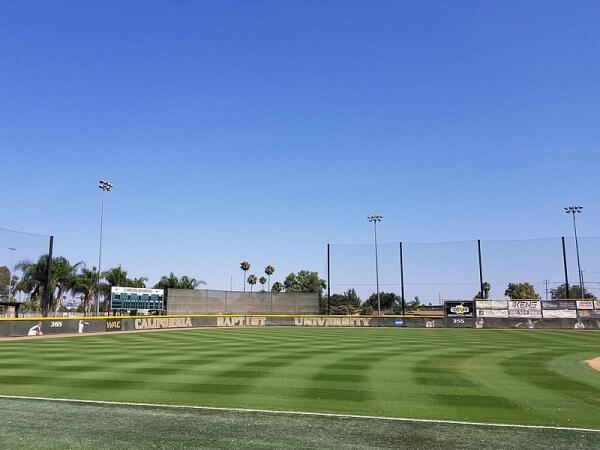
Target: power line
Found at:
x=24, y=232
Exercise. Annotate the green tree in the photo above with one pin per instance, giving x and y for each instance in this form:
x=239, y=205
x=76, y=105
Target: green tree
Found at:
x=86, y=283
x=245, y=266
x=277, y=287
x=269, y=270
x=63, y=274
x=486, y=292
x=574, y=292
x=33, y=281
x=251, y=281
x=345, y=303
x=173, y=282
x=516, y=291
x=304, y=281
x=262, y=281
x=5, y=281
x=388, y=300
x=415, y=303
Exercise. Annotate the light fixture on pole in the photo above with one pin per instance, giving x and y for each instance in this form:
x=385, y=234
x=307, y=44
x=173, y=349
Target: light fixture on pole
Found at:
x=573, y=210
x=104, y=186
x=374, y=219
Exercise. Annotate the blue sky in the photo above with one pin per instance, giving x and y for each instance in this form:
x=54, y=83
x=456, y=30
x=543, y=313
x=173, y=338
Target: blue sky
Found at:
x=263, y=130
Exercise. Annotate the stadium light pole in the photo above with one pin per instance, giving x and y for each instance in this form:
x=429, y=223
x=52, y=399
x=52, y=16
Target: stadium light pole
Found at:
x=104, y=186
x=12, y=259
x=375, y=219
x=12, y=268
x=573, y=210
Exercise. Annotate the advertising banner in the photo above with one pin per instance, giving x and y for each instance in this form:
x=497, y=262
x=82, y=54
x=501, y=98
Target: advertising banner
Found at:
x=459, y=309
x=491, y=304
x=525, y=308
x=589, y=313
x=559, y=304
x=585, y=304
x=499, y=313
x=559, y=314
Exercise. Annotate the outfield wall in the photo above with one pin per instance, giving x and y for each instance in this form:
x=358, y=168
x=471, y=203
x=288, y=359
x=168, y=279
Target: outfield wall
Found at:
x=209, y=301
x=52, y=326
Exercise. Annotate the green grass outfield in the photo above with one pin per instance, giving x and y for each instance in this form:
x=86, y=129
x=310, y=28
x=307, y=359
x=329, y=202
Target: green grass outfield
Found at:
x=529, y=377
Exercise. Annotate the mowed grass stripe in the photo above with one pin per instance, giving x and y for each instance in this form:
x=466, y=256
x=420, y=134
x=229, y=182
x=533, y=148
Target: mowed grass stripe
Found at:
x=480, y=375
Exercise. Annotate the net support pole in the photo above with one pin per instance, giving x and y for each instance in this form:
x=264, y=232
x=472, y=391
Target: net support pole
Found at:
x=564, y=252
x=48, y=291
x=402, y=279
x=328, y=281
x=480, y=268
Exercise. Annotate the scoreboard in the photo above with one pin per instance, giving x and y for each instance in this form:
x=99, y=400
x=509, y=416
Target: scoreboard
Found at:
x=136, y=298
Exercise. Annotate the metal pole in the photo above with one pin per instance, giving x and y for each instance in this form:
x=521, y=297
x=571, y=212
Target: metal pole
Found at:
x=48, y=292
x=577, y=250
x=100, y=254
x=480, y=268
x=328, y=281
x=377, y=272
x=565, y=265
x=402, y=280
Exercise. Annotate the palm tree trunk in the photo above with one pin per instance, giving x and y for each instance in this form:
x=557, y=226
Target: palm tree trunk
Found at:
x=244, y=280
x=58, y=303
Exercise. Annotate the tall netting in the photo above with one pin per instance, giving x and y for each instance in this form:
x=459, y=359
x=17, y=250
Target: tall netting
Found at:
x=17, y=249
x=352, y=266
x=434, y=272
x=589, y=258
x=538, y=262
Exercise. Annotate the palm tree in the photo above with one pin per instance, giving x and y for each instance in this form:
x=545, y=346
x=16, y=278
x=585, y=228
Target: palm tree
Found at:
x=245, y=266
x=251, y=281
x=33, y=281
x=269, y=270
x=86, y=284
x=277, y=287
x=262, y=281
x=173, y=282
x=63, y=277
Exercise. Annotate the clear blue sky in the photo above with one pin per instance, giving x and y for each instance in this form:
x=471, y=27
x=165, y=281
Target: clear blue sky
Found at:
x=263, y=130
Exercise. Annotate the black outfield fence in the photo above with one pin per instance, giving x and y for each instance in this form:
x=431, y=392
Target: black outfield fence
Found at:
x=45, y=327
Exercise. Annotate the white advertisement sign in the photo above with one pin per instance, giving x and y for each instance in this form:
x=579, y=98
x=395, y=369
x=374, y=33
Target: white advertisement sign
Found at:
x=491, y=304
x=499, y=313
x=585, y=304
x=525, y=308
x=560, y=314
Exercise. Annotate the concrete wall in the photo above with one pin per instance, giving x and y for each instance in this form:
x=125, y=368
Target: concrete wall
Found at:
x=206, y=301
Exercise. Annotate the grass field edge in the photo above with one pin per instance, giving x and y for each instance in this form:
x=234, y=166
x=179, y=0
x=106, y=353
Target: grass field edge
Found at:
x=297, y=413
